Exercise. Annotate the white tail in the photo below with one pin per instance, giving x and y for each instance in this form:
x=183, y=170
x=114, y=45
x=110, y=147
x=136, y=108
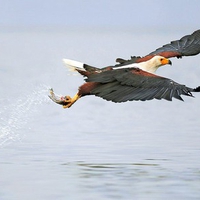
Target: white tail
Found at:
x=73, y=65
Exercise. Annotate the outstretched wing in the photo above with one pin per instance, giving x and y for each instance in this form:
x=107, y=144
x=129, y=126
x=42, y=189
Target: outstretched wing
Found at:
x=188, y=45
x=134, y=84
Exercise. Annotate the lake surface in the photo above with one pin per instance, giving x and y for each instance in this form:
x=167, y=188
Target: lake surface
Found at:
x=96, y=149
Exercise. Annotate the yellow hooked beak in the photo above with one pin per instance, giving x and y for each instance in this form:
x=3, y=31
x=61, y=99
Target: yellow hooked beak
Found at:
x=165, y=61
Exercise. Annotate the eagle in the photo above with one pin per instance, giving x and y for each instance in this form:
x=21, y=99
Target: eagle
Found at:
x=134, y=79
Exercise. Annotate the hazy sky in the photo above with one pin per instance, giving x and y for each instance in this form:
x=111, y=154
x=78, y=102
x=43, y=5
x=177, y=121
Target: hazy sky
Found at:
x=110, y=13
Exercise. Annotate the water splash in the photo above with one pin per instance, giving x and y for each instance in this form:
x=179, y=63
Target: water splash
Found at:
x=16, y=114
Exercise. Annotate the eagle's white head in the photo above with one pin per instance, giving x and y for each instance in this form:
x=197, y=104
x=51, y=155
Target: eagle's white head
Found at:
x=154, y=63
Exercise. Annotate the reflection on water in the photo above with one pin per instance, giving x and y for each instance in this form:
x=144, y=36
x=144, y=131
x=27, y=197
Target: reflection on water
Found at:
x=89, y=170
x=148, y=180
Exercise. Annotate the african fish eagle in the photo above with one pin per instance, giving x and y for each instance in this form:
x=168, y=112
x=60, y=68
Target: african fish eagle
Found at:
x=134, y=79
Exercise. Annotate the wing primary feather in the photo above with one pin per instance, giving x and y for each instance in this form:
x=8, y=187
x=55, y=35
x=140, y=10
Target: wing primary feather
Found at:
x=188, y=45
x=128, y=85
x=176, y=95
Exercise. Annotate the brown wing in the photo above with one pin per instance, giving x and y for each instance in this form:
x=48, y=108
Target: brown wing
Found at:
x=188, y=45
x=122, y=85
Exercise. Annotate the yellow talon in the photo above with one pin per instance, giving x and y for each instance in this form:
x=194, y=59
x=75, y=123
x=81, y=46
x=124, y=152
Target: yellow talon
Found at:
x=70, y=101
x=65, y=101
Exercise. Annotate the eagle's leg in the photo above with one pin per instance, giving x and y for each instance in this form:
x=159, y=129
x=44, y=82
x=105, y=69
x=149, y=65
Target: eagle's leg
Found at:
x=70, y=101
x=65, y=101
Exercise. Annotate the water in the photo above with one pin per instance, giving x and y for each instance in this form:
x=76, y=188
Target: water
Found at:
x=96, y=149
x=17, y=114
